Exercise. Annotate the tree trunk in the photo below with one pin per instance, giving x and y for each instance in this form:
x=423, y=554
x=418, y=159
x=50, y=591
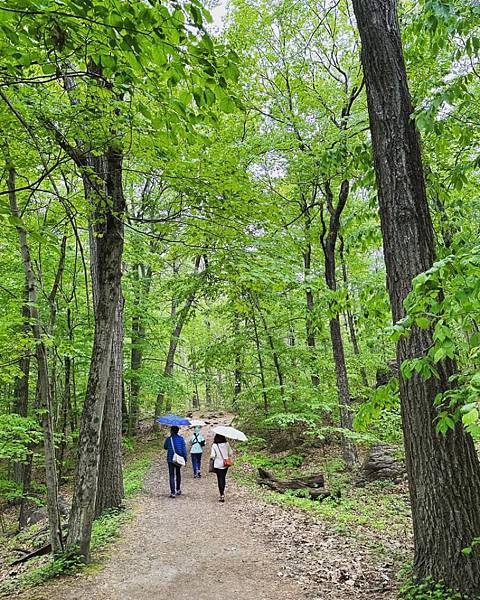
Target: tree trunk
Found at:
x=142, y=281
x=20, y=392
x=260, y=365
x=276, y=360
x=208, y=389
x=107, y=229
x=443, y=470
x=309, y=321
x=237, y=372
x=65, y=409
x=43, y=387
x=110, y=476
x=328, y=244
x=350, y=319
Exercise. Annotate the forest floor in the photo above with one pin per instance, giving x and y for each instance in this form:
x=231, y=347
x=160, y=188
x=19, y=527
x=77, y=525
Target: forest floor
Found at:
x=249, y=548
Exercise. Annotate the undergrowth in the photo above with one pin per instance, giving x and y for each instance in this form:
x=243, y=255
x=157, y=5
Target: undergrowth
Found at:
x=377, y=506
x=106, y=529
x=427, y=590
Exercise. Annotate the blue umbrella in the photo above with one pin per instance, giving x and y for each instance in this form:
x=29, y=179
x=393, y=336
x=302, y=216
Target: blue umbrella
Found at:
x=173, y=420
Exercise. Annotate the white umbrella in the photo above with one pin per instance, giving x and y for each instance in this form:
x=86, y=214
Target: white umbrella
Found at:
x=196, y=423
x=230, y=432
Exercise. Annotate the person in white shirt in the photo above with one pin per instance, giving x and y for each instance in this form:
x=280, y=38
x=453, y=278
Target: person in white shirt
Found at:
x=221, y=455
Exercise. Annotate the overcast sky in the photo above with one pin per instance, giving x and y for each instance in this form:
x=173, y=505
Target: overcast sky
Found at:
x=218, y=12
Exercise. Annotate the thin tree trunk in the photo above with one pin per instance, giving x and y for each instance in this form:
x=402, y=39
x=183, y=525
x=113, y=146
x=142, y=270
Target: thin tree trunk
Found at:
x=181, y=318
x=21, y=389
x=329, y=240
x=260, y=365
x=66, y=403
x=443, y=469
x=237, y=373
x=275, y=358
x=43, y=388
x=349, y=315
x=208, y=389
x=138, y=335
x=310, y=302
x=143, y=281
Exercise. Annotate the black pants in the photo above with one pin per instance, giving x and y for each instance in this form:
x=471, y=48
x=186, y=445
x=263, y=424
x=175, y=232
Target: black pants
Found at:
x=175, y=478
x=221, y=477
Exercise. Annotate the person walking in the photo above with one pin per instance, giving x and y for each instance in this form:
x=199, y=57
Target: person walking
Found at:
x=221, y=457
x=175, y=444
x=197, y=442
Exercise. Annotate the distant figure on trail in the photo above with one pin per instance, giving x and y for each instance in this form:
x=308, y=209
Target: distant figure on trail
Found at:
x=221, y=459
x=197, y=442
x=175, y=444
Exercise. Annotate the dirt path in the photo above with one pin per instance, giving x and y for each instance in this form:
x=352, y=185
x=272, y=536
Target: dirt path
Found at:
x=184, y=548
x=193, y=547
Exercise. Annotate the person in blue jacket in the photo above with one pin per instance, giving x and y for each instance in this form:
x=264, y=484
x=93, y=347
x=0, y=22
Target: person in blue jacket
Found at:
x=175, y=441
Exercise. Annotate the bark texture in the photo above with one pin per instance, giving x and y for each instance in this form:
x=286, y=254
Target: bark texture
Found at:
x=443, y=470
x=104, y=191
x=110, y=475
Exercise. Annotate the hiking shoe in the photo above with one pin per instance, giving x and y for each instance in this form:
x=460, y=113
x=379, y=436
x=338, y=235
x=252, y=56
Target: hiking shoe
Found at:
x=172, y=495
x=221, y=499
x=179, y=493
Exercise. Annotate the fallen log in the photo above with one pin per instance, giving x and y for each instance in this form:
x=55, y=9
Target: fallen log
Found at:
x=309, y=484
x=311, y=493
x=309, y=481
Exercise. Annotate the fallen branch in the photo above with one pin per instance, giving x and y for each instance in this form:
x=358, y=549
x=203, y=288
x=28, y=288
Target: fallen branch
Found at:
x=45, y=549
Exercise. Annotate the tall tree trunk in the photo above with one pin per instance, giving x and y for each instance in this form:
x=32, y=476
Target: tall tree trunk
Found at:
x=208, y=389
x=64, y=412
x=443, y=470
x=309, y=321
x=43, y=387
x=20, y=391
x=107, y=229
x=142, y=281
x=350, y=319
x=138, y=335
x=260, y=365
x=329, y=240
x=110, y=476
x=237, y=372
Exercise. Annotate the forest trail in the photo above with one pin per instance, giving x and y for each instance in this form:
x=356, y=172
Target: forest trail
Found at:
x=183, y=548
x=194, y=547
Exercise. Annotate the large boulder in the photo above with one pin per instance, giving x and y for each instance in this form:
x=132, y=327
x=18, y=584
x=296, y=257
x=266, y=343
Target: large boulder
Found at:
x=382, y=463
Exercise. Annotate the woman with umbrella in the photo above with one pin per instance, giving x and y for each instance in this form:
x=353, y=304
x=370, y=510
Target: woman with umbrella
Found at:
x=176, y=452
x=221, y=455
